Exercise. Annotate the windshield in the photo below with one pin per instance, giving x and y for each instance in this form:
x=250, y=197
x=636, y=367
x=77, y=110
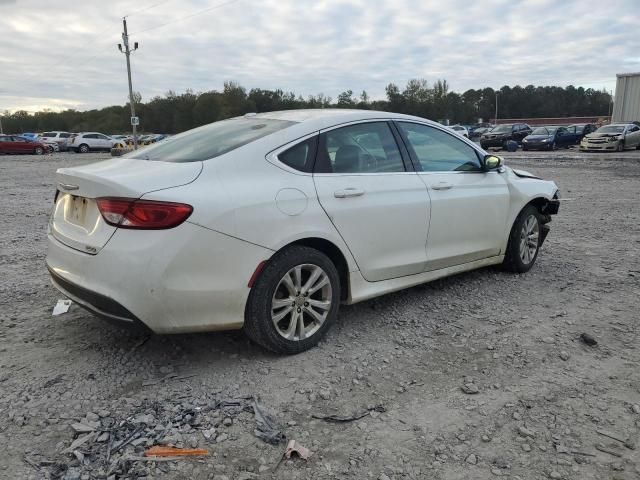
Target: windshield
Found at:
x=211, y=140
x=544, y=131
x=611, y=129
x=501, y=129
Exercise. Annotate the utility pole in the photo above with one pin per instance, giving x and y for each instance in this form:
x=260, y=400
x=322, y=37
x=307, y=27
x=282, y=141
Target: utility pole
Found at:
x=127, y=52
x=496, y=118
x=1, y=124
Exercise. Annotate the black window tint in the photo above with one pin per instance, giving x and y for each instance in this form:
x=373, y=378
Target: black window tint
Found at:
x=438, y=151
x=102, y=137
x=89, y=135
x=361, y=148
x=49, y=134
x=65, y=135
x=5, y=139
x=300, y=156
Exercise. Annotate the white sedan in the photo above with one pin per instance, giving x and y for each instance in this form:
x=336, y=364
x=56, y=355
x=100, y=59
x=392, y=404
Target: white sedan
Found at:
x=269, y=222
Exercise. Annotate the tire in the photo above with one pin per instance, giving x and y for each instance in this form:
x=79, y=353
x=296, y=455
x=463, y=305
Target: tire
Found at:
x=620, y=147
x=524, y=148
x=38, y=150
x=271, y=285
x=553, y=147
x=517, y=259
x=84, y=148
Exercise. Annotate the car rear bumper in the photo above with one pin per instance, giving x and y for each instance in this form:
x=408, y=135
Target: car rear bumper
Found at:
x=493, y=142
x=184, y=279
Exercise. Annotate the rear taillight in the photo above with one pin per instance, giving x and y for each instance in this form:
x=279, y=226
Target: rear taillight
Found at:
x=142, y=214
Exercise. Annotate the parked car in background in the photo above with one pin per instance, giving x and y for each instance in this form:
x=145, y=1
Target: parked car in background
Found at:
x=90, y=141
x=477, y=132
x=269, y=222
x=460, y=130
x=58, y=137
x=582, y=129
x=29, y=135
x=549, y=138
x=613, y=137
x=16, y=144
x=501, y=134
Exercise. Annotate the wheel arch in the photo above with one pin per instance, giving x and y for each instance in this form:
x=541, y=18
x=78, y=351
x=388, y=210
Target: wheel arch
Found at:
x=334, y=253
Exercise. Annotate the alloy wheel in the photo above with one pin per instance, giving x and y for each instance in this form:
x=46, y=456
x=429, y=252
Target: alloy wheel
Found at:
x=529, y=236
x=301, y=302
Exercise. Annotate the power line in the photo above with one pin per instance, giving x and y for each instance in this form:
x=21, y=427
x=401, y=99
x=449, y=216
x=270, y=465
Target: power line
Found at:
x=187, y=16
x=146, y=8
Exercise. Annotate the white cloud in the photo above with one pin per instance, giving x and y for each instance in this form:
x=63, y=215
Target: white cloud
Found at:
x=64, y=54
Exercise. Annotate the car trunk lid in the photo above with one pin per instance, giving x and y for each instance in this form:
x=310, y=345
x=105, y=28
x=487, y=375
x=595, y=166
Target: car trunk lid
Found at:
x=76, y=220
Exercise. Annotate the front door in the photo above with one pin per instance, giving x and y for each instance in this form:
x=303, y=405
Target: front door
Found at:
x=380, y=209
x=469, y=207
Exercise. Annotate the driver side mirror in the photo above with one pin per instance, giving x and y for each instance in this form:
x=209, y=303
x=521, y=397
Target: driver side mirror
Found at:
x=491, y=162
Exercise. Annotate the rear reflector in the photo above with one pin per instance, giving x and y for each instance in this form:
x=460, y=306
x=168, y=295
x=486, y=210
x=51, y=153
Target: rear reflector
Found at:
x=256, y=273
x=142, y=214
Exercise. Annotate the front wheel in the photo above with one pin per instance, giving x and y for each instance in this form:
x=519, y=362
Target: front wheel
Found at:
x=294, y=301
x=83, y=148
x=620, y=147
x=38, y=150
x=524, y=241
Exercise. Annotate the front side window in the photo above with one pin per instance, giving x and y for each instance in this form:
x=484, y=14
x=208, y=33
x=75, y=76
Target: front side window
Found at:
x=361, y=148
x=49, y=134
x=210, y=141
x=90, y=135
x=301, y=156
x=438, y=151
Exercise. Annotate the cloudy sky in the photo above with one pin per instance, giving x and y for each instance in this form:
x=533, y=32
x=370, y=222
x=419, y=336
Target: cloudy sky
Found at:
x=62, y=54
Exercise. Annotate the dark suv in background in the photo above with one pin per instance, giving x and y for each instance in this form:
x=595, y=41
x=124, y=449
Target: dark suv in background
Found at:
x=499, y=135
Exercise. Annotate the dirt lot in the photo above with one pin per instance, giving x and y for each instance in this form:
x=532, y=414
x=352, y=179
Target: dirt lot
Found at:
x=541, y=396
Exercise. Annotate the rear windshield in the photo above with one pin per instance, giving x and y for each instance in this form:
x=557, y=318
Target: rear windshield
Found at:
x=211, y=140
x=501, y=129
x=48, y=134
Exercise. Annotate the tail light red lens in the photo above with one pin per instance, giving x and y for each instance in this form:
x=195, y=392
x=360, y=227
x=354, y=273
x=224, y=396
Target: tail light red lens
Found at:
x=142, y=214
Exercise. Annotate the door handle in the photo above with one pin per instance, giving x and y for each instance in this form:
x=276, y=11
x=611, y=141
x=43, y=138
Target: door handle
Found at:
x=348, y=192
x=442, y=186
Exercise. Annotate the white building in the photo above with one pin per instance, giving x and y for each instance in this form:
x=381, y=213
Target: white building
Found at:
x=626, y=106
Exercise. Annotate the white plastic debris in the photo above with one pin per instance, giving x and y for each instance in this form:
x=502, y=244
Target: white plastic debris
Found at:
x=61, y=307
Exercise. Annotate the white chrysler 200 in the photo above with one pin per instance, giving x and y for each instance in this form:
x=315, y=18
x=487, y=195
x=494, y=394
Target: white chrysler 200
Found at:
x=268, y=222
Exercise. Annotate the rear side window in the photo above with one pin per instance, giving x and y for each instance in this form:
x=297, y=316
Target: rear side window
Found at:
x=48, y=134
x=90, y=135
x=65, y=135
x=361, y=148
x=211, y=140
x=301, y=156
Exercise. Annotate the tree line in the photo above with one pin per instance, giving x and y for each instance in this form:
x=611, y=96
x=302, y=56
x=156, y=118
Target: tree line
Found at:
x=173, y=113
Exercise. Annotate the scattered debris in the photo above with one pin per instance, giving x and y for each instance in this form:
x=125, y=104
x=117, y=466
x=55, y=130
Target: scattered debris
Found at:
x=635, y=409
x=470, y=388
x=80, y=441
x=164, y=451
x=627, y=443
x=295, y=447
x=588, y=339
x=525, y=432
x=52, y=381
x=564, y=355
x=610, y=451
x=472, y=459
x=350, y=418
x=267, y=429
x=62, y=306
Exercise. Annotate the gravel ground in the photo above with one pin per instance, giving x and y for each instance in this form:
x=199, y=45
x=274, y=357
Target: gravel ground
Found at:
x=476, y=376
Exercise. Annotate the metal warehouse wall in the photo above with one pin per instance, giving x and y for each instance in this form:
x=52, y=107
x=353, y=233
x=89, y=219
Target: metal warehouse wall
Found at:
x=626, y=107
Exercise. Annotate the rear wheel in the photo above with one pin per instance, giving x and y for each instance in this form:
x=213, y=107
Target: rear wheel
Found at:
x=620, y=147
x=84, y=148
x=524, y=241
x=294, y=301
x=38, y=150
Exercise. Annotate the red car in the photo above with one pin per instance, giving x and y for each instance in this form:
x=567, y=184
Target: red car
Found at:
x=17, y=144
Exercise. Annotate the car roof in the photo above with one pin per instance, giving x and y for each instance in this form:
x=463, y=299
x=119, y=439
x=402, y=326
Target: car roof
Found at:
x=318, y=119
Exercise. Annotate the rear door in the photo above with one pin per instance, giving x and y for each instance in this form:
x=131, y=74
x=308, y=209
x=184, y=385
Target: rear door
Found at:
x=5, y=144
x=469, y=206
x=20, y=145
x=379, y=207
x=103, y=142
